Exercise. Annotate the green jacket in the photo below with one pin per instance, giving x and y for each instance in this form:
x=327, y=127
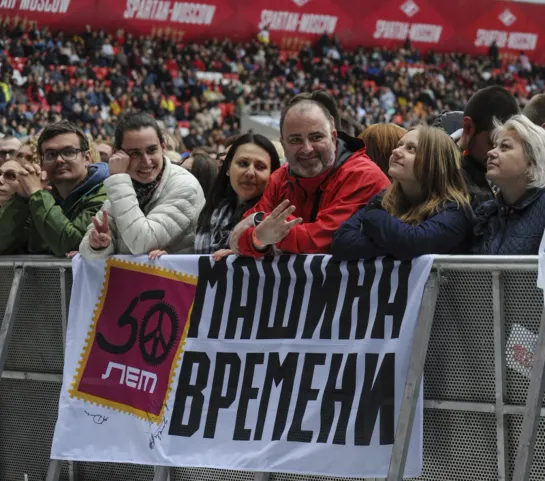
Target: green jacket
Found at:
x=46, y=224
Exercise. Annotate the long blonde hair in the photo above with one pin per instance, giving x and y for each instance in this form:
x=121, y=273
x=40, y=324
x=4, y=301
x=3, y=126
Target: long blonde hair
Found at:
x=437, y=166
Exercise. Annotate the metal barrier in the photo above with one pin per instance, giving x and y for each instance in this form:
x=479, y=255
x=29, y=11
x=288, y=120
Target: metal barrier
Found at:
x=482, y=420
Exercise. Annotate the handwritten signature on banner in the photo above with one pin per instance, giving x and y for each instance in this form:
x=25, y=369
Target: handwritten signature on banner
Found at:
x=136, y=339
x=97, y=418
x=157, y=434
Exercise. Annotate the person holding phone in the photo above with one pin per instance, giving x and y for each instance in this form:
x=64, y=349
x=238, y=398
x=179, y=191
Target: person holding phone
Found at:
x=152, y=204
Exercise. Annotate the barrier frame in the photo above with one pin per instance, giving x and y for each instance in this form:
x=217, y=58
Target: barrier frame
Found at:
x=496, y=265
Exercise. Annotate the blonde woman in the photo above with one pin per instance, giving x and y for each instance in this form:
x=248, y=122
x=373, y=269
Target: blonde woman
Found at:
x=426, y=210
x=28, y=152
x=513, y=223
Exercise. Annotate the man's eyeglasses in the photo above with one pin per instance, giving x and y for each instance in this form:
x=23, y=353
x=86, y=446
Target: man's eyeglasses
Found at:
x=6, y=154
x=68, y=154
x=9, y=175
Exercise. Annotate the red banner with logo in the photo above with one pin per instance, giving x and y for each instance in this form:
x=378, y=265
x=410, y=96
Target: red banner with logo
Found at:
x=462, y=25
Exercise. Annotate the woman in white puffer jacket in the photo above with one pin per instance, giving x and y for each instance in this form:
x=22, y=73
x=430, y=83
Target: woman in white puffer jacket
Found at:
x=152, y=204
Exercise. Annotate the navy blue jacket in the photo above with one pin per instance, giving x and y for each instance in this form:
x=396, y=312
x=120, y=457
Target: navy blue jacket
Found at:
x=510, y=230
x=373, y=232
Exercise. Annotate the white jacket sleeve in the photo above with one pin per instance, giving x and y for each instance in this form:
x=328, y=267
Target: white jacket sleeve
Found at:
x=174, y=216
x=86, y=250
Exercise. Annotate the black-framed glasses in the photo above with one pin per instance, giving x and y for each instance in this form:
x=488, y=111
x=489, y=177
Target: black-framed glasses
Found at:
x=9, y=175
x=68, y=154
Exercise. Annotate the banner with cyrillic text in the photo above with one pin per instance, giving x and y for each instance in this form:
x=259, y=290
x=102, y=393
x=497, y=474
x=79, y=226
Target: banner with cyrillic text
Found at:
x=290, y=364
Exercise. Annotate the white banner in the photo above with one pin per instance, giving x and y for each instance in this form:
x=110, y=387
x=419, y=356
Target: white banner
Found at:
x=293, y=364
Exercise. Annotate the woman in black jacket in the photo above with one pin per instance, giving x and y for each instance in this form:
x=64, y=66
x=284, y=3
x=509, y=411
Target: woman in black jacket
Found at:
x=513, y=223
x=425, y=211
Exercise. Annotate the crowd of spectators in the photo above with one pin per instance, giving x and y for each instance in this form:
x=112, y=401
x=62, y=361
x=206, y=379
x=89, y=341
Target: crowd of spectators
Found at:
x=94, y=77
x=108, y=143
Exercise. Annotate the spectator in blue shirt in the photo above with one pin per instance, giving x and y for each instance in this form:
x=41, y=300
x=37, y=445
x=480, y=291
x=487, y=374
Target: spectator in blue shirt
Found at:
x=425, y=211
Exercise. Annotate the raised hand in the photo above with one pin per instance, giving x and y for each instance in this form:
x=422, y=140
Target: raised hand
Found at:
x=119, y=163
x=100, y=236
x=32, y=179
x=275, y=227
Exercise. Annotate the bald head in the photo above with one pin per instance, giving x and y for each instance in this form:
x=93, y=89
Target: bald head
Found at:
x=316, y=109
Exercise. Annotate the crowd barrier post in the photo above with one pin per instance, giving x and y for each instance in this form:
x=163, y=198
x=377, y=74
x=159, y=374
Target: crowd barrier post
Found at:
x=262, y=476
x=500, y=374
x=414, y=378
x=162, y=473
x=6, y=329
x=523, y=464
x=54, y=470
x=55, y=465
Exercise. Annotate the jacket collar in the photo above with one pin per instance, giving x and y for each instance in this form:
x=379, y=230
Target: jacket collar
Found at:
x=97, y=174
x=530, y=196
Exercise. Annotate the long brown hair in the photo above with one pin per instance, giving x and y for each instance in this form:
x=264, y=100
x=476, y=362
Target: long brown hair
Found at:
x=380, y=140
x=437, y=166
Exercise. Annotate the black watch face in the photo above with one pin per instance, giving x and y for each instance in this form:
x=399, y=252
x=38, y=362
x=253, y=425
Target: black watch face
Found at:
x=258, y=218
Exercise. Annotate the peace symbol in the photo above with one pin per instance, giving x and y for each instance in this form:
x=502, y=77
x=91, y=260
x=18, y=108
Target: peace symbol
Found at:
x=154, y=347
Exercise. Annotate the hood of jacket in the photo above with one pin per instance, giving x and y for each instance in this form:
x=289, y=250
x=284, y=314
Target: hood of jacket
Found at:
x=97, y=174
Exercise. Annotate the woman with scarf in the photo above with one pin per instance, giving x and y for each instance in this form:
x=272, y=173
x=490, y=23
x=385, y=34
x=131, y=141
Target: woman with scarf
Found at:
x=152, y=204
x=242, y=179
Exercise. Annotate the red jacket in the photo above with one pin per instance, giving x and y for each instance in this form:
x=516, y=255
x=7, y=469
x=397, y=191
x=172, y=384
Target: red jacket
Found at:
x=324, y=202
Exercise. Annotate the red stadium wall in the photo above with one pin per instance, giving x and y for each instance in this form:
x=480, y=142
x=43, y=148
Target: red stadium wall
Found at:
x=455, y=25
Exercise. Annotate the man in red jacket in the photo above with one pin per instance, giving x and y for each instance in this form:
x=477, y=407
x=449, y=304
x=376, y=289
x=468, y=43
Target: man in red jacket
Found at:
x=327, y=178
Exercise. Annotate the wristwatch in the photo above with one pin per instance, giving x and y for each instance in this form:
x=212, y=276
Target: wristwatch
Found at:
x=258, y=218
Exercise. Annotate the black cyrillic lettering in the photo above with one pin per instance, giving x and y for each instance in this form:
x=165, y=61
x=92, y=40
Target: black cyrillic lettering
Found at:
x=397, y=308
x=361, y=293
x=209, y=276
x=306, y=394
x=278, y=331
x=281, y=373
x=247, y=392
x=187, y=390
x=323, y=298
x=375, y=397
x=345, y=396
x=236, y=311
x=217, y=400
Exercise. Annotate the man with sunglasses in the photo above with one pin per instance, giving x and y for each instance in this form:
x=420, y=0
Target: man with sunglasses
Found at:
x=57, y=198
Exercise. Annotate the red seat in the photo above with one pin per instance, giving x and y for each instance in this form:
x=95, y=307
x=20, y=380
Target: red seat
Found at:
x=101, y=72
